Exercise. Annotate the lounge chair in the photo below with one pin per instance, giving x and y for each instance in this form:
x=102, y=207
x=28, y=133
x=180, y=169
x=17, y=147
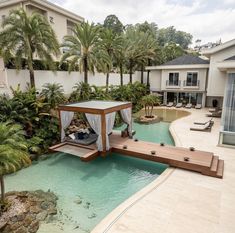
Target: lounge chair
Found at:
x=203, y=128
x=179, y=105
x=204, y=122
x=188, y=105
x=198, y=106
x=215, y=114
x=170, y=104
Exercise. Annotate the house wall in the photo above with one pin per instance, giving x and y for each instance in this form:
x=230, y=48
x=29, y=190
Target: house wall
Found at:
x=155, y=80
x=202, y=75
x=217, y=78
x=67, y=80
x=60, y=20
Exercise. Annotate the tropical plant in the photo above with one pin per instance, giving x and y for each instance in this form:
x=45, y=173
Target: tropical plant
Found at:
x=82, y=91
x=80, y=48
x=99, y=93
x=110, y=44
x=138, y=48
x=28, y=36
x=148, y=102
x=53, y=94
x=13, y=152
x=130, y=92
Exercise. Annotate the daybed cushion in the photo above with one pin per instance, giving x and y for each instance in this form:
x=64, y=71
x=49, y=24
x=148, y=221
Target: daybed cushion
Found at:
x=87, y=141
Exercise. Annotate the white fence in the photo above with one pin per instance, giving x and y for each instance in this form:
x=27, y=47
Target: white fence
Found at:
x=67, y=80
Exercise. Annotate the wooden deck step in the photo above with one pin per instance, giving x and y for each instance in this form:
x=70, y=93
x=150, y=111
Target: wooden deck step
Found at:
x=215, y=163
x=220, y=171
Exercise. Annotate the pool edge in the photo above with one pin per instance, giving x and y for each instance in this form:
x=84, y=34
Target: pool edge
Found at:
x=112, y=217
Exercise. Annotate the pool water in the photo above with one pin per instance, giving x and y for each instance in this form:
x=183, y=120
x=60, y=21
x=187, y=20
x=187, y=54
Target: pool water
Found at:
x=157, y=132
x=101, y=185
x=87, y=192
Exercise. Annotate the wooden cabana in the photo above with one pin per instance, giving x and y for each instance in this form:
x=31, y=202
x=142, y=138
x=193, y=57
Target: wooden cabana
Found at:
x=100, y=116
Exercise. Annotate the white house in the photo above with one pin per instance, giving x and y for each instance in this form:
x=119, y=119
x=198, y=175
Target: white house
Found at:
x=194, y=80
x=61, y=20
x=183, y=79
x=221, y=84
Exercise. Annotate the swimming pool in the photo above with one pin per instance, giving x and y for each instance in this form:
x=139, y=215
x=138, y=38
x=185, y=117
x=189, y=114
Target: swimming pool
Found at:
x=89, y=191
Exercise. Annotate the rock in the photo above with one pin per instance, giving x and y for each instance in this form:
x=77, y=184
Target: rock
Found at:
x=93, y=215
x=15, y=226
x=42, y=216
x=52, y=211
x=28, y=220
x=78, y=201
x=21, y=230
x=34, y=209
x=14, y=219
x=27, y=210
x=45, y=205
x=33, y=228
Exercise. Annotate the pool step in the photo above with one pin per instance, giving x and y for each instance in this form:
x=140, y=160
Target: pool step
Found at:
x=220, y=171
x=215, y=162
x=216, y=169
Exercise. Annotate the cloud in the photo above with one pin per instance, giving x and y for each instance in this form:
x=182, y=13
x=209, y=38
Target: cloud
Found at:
x=206, y=20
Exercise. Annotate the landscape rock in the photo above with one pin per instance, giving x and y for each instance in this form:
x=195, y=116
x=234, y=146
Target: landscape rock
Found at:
x=27, y=210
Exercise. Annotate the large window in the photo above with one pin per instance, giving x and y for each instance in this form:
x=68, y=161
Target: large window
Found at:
x=173, y=79
x=192, y=79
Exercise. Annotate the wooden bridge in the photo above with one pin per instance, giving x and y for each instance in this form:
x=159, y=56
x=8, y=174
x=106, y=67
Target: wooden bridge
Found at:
x=203, y=162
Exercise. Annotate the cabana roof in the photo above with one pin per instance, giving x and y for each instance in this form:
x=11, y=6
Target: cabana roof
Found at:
x=96, y=106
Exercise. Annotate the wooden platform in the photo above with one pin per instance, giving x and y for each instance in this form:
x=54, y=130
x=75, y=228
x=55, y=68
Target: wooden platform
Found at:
x=85, y=153
x=199, y=161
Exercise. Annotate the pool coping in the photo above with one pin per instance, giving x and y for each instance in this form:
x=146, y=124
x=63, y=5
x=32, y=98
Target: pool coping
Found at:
x=117, y=213
x=105, y=224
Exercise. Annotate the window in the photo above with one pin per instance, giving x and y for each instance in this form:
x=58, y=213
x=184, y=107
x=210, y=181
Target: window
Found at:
x=3, y=17
x=173, y=79
x=192, y=79
x=70, y=27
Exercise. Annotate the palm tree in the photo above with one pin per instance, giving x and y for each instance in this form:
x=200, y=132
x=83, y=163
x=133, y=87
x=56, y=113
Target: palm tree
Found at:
x=133, y=49
x=53, y=94
x=110, y=44
x=148, y=47
x=80, y=48
x=28, y=36
x=13, y=152
x=148, y=102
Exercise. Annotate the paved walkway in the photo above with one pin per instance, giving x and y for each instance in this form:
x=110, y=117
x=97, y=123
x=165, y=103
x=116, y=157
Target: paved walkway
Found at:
x=182, y=201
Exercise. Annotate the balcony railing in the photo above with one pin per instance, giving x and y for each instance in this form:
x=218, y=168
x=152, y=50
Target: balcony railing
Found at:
x=173, y=84
x=191, y=85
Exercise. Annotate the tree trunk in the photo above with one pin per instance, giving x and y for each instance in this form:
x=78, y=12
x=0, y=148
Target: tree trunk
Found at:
x=131, y=67
x=142, y=73
x=2, y=189
x=32, y=80
x=121, y=75
x=148, y=74
x=107, y=82
x=85, y=66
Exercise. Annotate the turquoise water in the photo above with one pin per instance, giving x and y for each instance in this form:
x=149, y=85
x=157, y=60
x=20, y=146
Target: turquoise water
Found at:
x=157, y=132
x=101, y=185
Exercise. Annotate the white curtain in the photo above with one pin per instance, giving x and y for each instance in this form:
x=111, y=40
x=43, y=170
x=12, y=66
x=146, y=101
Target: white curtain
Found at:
x=66, y=118
x=110, y=119
x=127, y=118
x=228, y=120
x=95, y=123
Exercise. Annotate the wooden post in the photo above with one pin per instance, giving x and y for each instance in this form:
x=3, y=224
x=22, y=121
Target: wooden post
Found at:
x=103, y=130
x=60, y=125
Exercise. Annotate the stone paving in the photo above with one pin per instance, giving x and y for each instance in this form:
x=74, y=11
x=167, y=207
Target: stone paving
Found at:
x=181, y=201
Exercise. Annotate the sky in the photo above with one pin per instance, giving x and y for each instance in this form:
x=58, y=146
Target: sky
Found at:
x=207, y=20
